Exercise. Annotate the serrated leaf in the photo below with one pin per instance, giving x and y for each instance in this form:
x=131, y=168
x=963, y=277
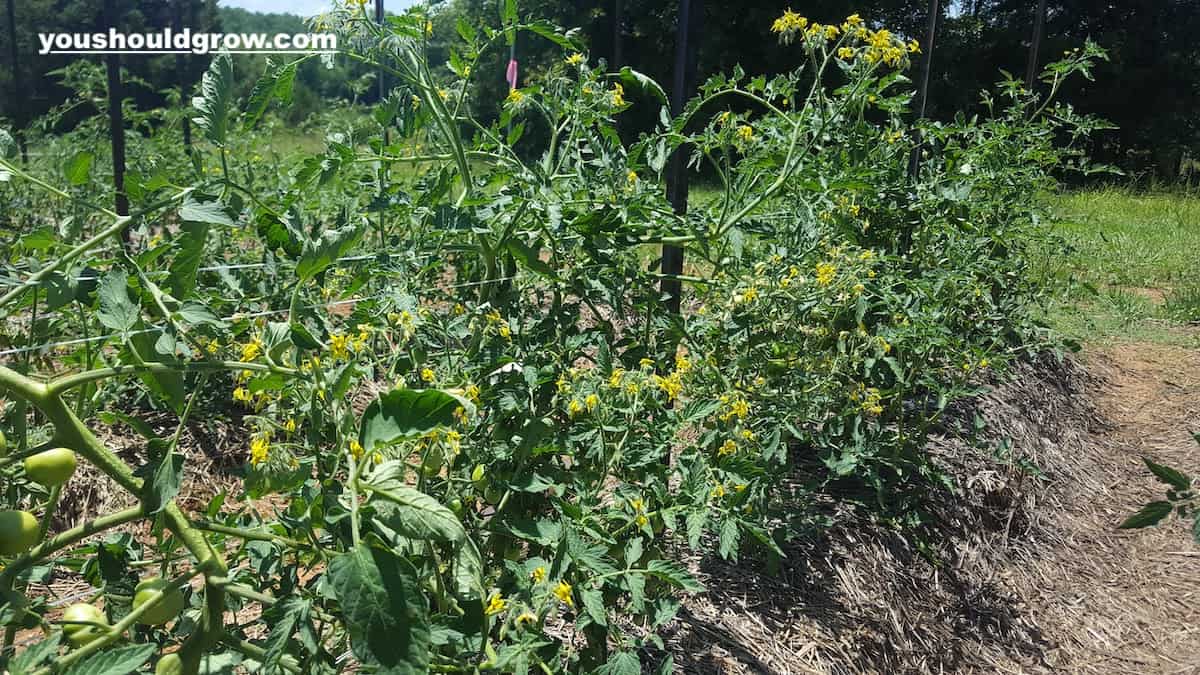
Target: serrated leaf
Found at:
x=276, y=82
x=164, y=484
x=29, y=659
x=283, y=619
x=415, y=514
x=593, y=604
x=212, y=213
x=385, y=612
x=1166, y=474
x=79, y=167
x=621, y=663
x=215, y=99
x=644, y=82
x=321, y=253
x=1149, y=515
x=406, y=414
x=117, y=311
x=729, y=539
x=189, y=251
x=119, y=661
x=674, y=573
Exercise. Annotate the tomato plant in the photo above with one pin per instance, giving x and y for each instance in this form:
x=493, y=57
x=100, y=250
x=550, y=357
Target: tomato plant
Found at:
x=474, y=441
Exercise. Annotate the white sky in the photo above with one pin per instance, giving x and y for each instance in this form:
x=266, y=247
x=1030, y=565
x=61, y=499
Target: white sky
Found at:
x=303, y=7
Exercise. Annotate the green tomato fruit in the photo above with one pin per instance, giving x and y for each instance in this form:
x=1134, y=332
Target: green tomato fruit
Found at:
x=170, y=664
x=168, y=608
x=432, y=464
x=84, y=631
x=3, y=445
x=18, y=532
x=456, y=506
x=50, y=468
x=479, y=476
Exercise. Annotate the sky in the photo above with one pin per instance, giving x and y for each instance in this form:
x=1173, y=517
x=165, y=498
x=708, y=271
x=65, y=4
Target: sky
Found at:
x=302, y=7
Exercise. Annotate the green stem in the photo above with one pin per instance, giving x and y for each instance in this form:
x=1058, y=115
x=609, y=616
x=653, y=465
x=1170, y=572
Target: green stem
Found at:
x=210, y=526
x=67, y=382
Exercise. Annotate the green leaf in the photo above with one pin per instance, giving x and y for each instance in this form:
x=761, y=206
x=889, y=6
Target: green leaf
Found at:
x=321, y=253
x=415, y=514
x=283, y=619
x=621, y=663
x=215, y=99
x=644, y=82
x=568, y=40
x=79, y=167
x=468, y=570
x=117, y=311
x=8, y=146
x=276, y=82
x=119, y=661
x=1149, y=515
x=213, y=213
x=28, y=660
x=406, y=414
x=675, y=574
x=1166, y=474
x=189, y=248
x=164, y=484
x=593, y=604
x=530, y=259
x=385, y=612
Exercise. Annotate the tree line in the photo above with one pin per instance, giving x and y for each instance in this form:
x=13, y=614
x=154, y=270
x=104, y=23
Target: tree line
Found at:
x=1149, y=89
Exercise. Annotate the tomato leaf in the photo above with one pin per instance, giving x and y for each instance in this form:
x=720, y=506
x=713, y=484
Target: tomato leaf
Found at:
x=119, y=661
x=1149, y=515
x=415, y=514
x=405, y=414
x=215, y=99
x=386, y=613
x=1166, y=474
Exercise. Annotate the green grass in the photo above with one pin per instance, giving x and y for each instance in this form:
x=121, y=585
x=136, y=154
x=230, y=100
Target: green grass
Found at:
x=1132, y=265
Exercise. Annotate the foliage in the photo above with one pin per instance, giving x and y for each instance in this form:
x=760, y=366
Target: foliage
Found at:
x=475, y=442
x=1180, y=499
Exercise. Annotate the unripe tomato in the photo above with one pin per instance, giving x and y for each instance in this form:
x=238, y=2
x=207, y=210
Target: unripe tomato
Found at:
x=170, y=664
x=168, y=608
x=50, y=468
x=3, y=445
x=432, y=464
x=456, y=506
x=84, y=632
x=18, y=532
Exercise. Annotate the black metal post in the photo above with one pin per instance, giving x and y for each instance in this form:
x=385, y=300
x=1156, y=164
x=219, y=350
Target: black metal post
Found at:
x=18, y=90
x=116, y=122
x=181, y=75
x=687, y=35
x=1039, y=25
x=914, y=159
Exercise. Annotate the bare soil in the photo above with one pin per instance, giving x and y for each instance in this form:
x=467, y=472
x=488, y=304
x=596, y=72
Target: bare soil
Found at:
x=1028, y=573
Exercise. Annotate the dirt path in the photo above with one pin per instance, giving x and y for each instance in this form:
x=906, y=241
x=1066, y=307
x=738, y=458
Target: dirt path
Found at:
x=1131, y=601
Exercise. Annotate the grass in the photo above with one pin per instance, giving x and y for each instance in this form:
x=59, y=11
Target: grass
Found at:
x=1132, y=266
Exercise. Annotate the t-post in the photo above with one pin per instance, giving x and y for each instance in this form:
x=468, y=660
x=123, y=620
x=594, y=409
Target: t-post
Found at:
x=116, y=122
x=914, y=158
x=1039, y=25
x=686, y=37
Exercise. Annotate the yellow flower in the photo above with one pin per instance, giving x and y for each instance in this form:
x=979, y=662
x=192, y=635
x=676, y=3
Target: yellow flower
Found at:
x=525, y=619
x=460, y=415
x=727, y=448
x=637, y=505
x=472, y=393
x=826, y=273
x=339, y=345
x=641, y=520
x=682, y=364
x=260, y=449
x=240, y=394
x=718, y=491
x=646, y=363
x=631, y=178
x=859, y=288
x=252, y=349
x=788, y=24
x=213, y=346
x=290, y=426
x=914, y=47
x=574, y=407
x=563, y=592
x=614, y=380
x=562, y=384
x=618, y=95
x=852, y=20
x=428, y=28
x=515, y=97
x=747, y=434
x=984, y=363
x=356, y=449
x=745, y=133
x=538, y=575
x=671, y=385
x=591, y=402
x=574, y=59
x=427, y=375
x=496, y=604
x=845, y=53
